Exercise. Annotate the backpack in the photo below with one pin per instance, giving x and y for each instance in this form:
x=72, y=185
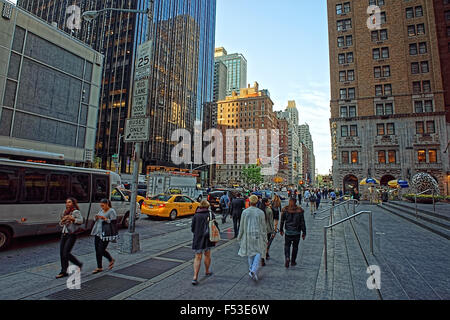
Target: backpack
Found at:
x=312, y=198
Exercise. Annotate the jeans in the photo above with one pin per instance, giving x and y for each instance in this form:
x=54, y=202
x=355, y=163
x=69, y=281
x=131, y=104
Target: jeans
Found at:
x=66, y=245
x=225, y=212
x=288, y=241
x=100, y=251
x=254, y=263
x=236, y=224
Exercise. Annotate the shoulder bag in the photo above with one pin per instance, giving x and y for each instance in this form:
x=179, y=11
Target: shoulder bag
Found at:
x=214, y=232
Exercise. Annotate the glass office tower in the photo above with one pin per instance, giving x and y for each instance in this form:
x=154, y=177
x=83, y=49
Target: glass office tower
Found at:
x=182, y=81
x=183, y=32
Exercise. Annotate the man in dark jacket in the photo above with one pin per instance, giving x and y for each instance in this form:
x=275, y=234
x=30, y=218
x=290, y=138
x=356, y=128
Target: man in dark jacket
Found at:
x=293, y=221
x=237, y=206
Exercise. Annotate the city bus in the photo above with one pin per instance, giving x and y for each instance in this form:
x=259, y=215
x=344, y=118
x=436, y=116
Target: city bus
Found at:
x=33, y=195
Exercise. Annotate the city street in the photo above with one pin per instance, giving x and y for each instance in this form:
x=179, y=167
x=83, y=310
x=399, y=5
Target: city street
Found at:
x=410, y=269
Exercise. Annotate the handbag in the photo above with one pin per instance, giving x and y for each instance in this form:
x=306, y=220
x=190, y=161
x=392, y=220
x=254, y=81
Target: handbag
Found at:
x=214, y=232
x=110, y=231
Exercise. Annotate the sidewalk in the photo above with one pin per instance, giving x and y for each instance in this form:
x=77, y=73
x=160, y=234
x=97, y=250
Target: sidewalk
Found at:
x=162, y=270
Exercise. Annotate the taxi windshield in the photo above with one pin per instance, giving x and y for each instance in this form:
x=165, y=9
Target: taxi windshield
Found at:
x=161, y=197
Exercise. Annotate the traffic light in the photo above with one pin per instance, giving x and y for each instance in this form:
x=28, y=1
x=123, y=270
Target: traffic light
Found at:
x=295, y=166
x=301, y=182
x=258, y=162
x=286, y=160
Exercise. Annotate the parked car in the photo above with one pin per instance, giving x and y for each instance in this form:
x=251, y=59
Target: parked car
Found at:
x=169, y=206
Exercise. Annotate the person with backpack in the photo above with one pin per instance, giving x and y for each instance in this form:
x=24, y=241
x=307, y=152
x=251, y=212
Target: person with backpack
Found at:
x=318, y=198
x=312, y=202
x=293, y=225
x=71, y=220
x=224, y=206
x=201, y=243
x=332, y=197
x=271, y=225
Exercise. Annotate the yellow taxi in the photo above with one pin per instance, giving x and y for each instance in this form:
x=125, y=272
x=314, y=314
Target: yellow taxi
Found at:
x=127, y=193
x=169, y=206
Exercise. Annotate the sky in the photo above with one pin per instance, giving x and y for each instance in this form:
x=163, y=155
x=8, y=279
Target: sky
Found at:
x=285, y=43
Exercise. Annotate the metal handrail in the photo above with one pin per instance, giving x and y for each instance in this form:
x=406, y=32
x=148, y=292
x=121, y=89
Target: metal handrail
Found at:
x=423, y=192
x=331, y=208
x=341, y=221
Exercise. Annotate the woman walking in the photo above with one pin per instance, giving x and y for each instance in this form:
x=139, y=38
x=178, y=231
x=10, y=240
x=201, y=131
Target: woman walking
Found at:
x=105, y=215
x=71, y=219
x=200, y=243
x=293, y=221
x=312, y=202
x=271, y=227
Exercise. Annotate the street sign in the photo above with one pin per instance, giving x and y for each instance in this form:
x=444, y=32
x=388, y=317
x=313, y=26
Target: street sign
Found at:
x=137, y=130
x=139, y=106
x=141, y=87
x=143, y=63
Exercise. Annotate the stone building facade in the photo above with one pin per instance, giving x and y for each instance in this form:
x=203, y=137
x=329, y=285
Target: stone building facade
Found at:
x=388, y=116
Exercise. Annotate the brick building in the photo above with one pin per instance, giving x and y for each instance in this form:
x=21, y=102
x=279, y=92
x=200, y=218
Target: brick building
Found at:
x=388, y=116
x=252, y=108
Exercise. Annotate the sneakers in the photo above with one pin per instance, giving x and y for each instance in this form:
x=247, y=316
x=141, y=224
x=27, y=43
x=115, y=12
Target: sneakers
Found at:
x=286, y=263
x=253, y=276
x=62, y=275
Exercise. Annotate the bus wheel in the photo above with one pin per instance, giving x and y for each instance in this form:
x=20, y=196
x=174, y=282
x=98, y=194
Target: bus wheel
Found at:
x=126, y=220
x=5, y=238
x=173, y=215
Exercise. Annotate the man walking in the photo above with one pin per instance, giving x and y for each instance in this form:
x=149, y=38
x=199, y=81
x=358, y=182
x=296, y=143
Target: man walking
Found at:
x=237, y=207
x=253, y=236
x=300, y=197
x=306, y=196
x=224, y=206
x=293, y=221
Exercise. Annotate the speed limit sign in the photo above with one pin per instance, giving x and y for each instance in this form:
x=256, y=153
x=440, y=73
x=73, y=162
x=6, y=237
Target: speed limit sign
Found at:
x=142, y=68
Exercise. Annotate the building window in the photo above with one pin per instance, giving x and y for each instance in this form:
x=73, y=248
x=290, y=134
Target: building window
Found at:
x=422, y=156
x=413, y=49
x=345, y=158
x=343, y=112
x=354, y=156
x=353, y=131
x=411, y=30
x=343, y=94
x=419, y=127
x=351, y=93
x=349, y=41
x=414, y=68
x=417, y=87
x=392, y=156
x=423, y=48
x=409, y=13
x=341, y=58
x=380, y=129
x=344, y=131
x=378, y=90
x=377, y=72
x=431, y=127
x=419, y=11
x=381, y=156
x=341, y=42
x=420, y=29
x=390, y=129
x=432, y=156
x=424, y=67
x=426, y=86
x=352, y=111
x=342, y=76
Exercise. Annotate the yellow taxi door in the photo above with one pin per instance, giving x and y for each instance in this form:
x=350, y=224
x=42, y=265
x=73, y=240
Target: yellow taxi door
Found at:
x=190, y=208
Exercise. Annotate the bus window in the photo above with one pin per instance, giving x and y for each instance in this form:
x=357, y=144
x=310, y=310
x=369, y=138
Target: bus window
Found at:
x=58, y=189
x=9, y=183
x=100, y=190
x=35, y=184
x=80, y=187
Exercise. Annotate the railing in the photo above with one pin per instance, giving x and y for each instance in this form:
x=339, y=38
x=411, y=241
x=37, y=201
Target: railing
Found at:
x=423, y=192
x=344, y=220
x=354, y=201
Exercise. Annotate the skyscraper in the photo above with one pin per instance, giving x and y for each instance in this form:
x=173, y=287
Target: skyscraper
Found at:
x=387, y=109
x=236, y=68
x=183, y=34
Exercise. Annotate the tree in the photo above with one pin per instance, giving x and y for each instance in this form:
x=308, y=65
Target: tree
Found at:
x=252, y=175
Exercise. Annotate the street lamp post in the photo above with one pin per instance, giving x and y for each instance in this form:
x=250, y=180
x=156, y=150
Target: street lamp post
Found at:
x=273, y=170
x=131, y=239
